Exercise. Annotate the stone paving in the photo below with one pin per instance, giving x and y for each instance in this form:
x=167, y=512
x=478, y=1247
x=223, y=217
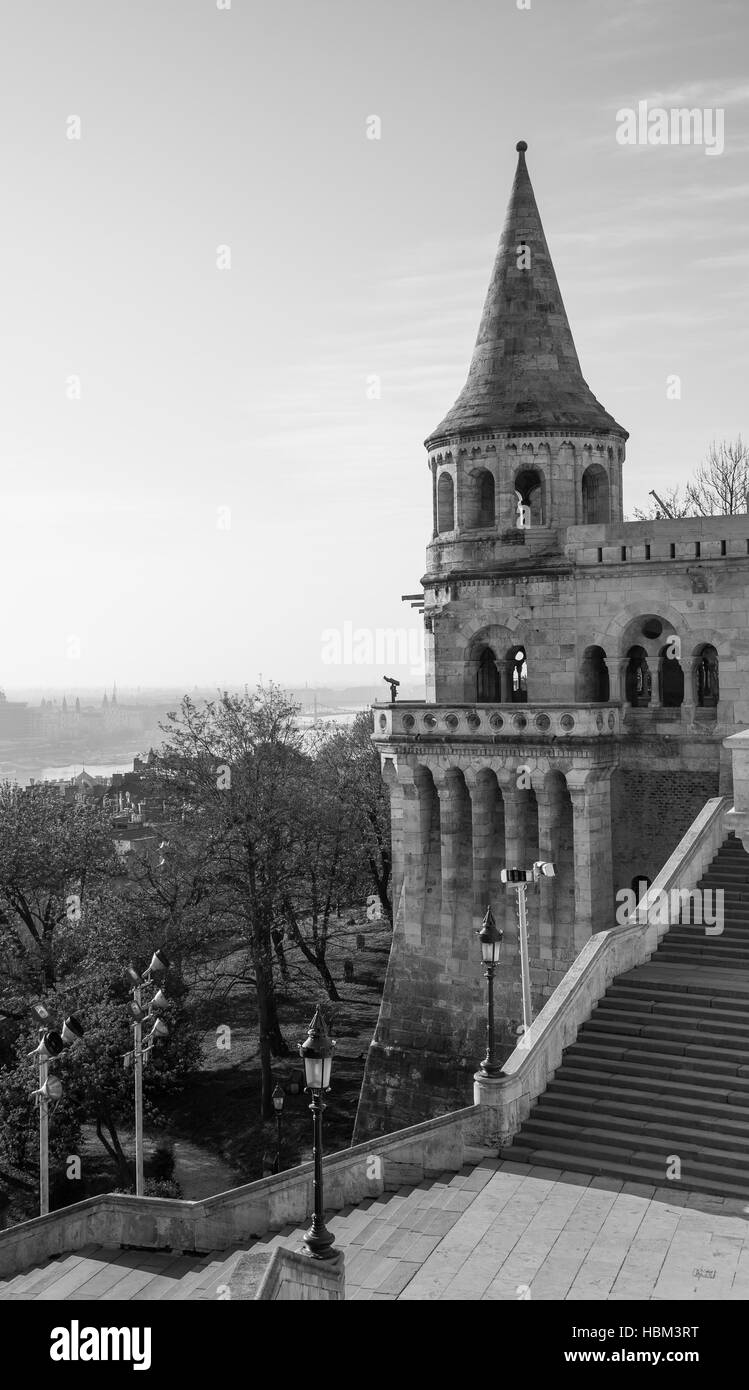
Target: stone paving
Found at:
x=499, y=1230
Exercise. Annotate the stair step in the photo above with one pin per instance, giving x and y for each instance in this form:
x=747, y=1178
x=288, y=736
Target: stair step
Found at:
x=674, y=1054
x=712, y=1092
x=637, y=1121
x=611, y=1149
x=604, y=1165
x=649, y=1001
x=670, y=979
x=651, y=1025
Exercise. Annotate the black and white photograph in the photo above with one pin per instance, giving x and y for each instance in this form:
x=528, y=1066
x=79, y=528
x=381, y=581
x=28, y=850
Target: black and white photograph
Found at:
x=374, y=694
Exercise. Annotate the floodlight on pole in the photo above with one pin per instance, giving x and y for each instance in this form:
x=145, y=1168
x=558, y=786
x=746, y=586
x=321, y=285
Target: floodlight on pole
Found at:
x=159, y=965
x=519, y=880
x=52, y=1044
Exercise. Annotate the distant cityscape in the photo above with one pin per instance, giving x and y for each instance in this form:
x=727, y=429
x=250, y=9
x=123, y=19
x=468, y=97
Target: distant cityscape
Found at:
x=55, y=735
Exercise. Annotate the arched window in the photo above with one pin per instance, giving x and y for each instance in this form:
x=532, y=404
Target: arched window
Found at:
x=638, y=681
x=487, y=679
x=671, y=679
x=707, y=690
x=595, y=488
x=486, y=498
x=445, y=503
x=518, y=676
x=595, y=687
x=529, y=487
x=479, y=499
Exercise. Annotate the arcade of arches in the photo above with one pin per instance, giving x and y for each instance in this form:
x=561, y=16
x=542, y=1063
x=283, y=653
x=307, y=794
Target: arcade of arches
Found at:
x=456, y=828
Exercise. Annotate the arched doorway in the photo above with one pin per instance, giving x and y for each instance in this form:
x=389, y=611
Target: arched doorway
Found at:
x=706, y=673
x=638, y=682
x=671, y=679
x=529, y=488
x=594, y=677
x=595, y=490
x=487, y=679
x=518, y=672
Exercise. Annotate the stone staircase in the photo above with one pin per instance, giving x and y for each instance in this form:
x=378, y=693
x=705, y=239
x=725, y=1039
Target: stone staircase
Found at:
x=656, y=1087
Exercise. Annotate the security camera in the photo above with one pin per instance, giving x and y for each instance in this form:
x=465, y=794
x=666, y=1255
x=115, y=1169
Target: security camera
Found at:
x=546, y=870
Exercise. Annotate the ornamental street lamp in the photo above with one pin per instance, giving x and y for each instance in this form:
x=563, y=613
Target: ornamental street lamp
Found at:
x=52, y=1044
x=519, y=878
x=317, y=1055
x=278, y=1097
x=159, y=965
x=490, y=939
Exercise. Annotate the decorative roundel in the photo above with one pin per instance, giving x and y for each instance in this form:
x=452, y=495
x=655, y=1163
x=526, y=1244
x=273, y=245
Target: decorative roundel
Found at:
x=429, y=721
x=408, y=721
x=452, y=721
x=497, y=722
x=612, y=721
x=383, y=722
x=599, y=720
x=567, y=722
x=473, y=721
x=543, y=721
x=520, y=721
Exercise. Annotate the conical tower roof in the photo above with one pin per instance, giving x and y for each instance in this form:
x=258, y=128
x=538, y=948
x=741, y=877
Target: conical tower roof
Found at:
x=525, y=373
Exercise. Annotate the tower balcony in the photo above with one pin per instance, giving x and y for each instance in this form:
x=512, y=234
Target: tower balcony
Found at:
x=413, y=721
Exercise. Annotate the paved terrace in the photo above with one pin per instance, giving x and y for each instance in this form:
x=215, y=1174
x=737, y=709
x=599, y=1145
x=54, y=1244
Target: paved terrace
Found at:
x=498, y=1230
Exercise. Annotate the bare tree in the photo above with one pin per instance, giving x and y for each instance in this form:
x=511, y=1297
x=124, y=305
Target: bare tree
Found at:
x=720, y=487
x=721, y=483
x=676, y=504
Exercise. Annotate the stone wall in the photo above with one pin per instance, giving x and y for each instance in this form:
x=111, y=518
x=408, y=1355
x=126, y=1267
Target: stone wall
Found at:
x=650, y=812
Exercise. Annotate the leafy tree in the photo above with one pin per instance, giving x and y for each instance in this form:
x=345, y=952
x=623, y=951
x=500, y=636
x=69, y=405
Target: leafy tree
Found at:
x=235, y=761
x=93, y=955
x=52, y=852
x=366, y=802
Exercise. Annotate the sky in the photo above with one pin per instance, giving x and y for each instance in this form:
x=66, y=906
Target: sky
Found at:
x=200, y=482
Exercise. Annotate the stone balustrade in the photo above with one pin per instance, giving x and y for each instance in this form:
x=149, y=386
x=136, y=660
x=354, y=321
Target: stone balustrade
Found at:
x=415, y=720
x=159, y=1223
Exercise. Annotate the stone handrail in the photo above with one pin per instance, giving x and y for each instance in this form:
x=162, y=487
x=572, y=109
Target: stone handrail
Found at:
x=351, y=1176
x=412, y=720
x=528, y=1070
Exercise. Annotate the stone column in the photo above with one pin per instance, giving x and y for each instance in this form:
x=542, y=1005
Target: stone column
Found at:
x=457, y=864
x=617, y=677
x=590, y=790
x=549, y=799
x=414, y=855
x=488, y=846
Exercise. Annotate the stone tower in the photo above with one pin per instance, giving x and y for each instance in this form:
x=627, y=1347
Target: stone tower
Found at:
x=582, y=673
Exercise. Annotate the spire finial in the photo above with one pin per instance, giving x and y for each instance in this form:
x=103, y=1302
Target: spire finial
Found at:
x=521, y=146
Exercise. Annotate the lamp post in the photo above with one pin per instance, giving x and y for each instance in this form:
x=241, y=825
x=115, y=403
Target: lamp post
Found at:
x=159, y=965
x=490, y=939
x=317, y=1055
x=520, y=878
x=52, y=1043
x=278, y=1098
